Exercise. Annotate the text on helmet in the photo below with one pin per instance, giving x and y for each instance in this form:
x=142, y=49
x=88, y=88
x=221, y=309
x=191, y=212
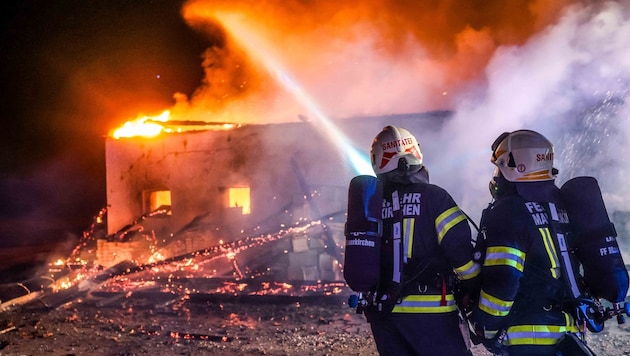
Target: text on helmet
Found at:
x=397, y=143
x=544, y=157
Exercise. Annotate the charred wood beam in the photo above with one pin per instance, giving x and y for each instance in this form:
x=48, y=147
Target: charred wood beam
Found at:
x=52, y=300
x=177, y=123
x=14, y=294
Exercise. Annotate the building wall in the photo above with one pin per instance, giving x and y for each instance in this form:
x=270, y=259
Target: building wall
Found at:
x=198, y=167
x=275, y=161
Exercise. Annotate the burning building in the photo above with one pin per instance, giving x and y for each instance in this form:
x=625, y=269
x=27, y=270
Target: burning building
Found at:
x=181, y=192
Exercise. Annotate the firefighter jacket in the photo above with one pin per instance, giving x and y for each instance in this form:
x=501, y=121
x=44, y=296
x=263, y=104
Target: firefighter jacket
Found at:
x=435, y=244
x=521, y=287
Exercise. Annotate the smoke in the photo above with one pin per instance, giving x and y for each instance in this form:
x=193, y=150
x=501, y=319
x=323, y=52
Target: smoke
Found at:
x=569, y=82
x=560, y=68
x=377, y=58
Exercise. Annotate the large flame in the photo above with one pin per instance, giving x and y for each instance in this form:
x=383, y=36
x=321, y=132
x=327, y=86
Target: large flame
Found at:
x=151, y=126
x=145, y=126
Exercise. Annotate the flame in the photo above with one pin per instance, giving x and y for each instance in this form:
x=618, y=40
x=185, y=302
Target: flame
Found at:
x=152, y=126
x=145, y=126
x=155, y=257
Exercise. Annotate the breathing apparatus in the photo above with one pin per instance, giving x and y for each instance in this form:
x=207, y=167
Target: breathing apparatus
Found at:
x=524, y=158
x=396, y=158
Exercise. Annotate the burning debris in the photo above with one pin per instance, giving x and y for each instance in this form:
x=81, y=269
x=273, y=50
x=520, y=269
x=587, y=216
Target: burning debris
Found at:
x=236, y=268
x=220, y=299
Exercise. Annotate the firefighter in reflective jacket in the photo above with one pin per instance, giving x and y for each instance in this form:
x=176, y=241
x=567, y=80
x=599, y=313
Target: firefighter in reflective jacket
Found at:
x=419, y=315
x=521, y=289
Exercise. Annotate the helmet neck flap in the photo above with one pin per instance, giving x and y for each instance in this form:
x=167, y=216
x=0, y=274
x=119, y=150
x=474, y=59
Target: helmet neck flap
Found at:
x=421, y=175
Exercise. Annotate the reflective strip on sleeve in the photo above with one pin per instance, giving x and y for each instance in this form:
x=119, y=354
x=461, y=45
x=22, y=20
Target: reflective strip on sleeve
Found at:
x=426, y=304
x=505, y=256
x=493, y=305
x=468, y=271
x=447, y=220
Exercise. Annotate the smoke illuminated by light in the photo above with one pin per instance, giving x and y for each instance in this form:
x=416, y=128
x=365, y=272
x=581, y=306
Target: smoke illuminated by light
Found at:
x=257, y=47
x=547, y=66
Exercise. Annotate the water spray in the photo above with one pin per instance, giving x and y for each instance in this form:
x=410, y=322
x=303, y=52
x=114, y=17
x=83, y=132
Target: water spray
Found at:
x=258, y=48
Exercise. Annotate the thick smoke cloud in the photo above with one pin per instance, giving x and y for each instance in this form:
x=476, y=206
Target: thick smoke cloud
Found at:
x=561, y=69
x=374, y=58
x=569, y=82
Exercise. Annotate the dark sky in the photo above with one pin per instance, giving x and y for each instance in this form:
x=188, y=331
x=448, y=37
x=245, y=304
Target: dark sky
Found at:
x=71, y=71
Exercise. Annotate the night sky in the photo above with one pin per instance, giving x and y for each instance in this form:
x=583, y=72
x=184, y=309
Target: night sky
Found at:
x=71, y=71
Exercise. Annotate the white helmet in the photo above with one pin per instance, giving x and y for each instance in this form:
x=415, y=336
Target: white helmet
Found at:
x=392, y=147
x=524, y=156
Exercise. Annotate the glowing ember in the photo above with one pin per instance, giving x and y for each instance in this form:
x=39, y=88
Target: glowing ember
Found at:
x=157, y=256
x=59, y=262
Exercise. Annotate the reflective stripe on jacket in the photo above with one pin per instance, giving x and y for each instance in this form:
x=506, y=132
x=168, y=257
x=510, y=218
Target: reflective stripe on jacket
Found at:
x=539, y=334
x=521, y=285
x=426, y=303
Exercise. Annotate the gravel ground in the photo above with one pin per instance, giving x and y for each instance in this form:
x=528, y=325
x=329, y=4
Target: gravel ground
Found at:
x=129, y=325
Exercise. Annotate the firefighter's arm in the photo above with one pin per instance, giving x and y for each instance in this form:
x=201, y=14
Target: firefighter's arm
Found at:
x=501, y=272
x=454, y=238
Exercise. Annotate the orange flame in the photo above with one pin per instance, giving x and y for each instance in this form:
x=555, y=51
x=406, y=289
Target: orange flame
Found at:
x=146, y=126
x=152, y=126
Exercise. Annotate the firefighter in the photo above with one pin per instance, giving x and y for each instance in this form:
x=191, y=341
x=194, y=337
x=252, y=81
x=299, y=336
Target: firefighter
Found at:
x=519, y=307
x=430, y=239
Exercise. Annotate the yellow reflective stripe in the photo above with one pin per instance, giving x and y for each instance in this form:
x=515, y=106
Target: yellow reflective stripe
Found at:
x=468, y=271
x=570, y=323
x=490, y=334
x=534, y=334
x=408, y=229
x=426, y=304
x=505, y=256
x=493, y=305
x=540, y=334
x=551, y=251
x=447, y=220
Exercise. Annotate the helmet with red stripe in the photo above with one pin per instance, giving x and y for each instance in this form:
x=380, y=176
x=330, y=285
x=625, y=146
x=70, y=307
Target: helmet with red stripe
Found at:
x=395, y=148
